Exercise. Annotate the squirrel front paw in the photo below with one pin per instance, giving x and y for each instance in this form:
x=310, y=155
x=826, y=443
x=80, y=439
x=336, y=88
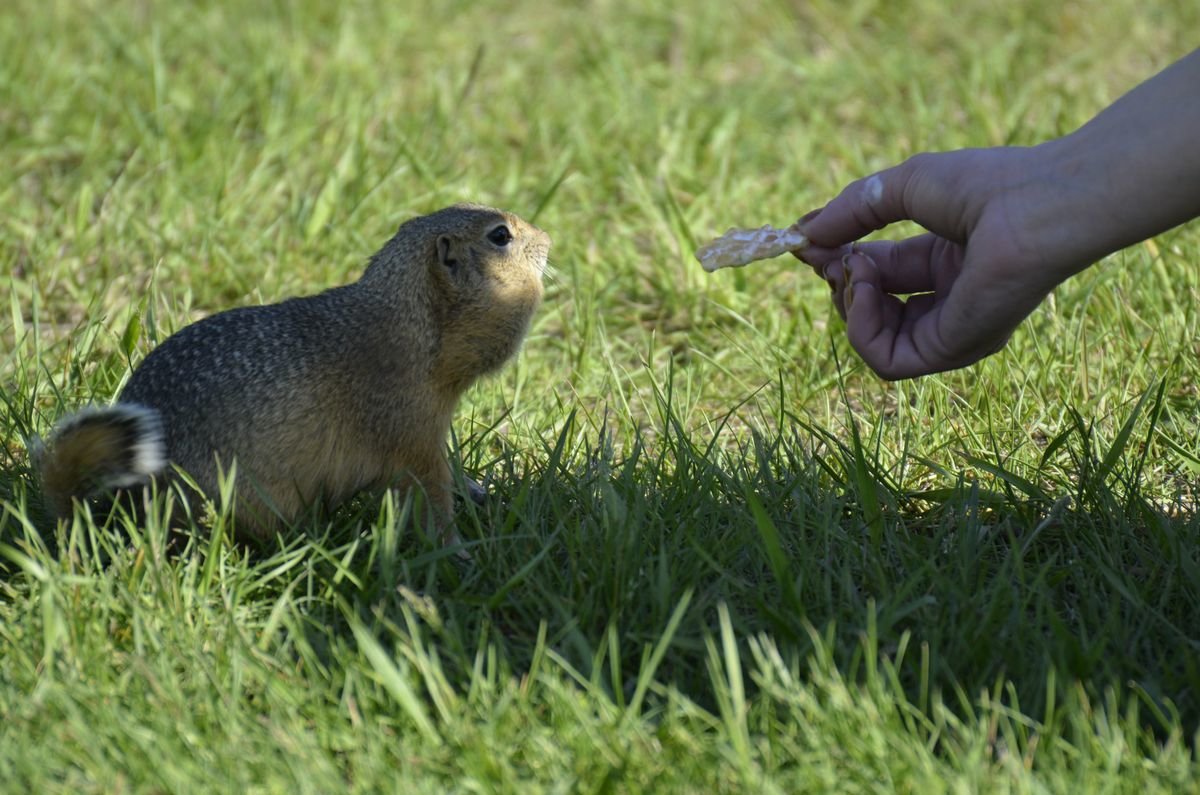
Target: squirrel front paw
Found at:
x=475, y=491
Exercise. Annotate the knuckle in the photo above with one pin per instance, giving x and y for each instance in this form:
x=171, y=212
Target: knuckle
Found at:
x=921, y=165
x=864, y=212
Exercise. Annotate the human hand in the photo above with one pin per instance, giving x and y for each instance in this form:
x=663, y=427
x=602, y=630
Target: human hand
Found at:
x=1005, y=225
x=999, y=241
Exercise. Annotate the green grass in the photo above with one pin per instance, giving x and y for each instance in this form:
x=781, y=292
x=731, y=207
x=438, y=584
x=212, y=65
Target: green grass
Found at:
x=719, y=555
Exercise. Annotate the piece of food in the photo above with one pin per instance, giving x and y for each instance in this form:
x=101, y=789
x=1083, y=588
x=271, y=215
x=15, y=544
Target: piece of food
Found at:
x=739, y=247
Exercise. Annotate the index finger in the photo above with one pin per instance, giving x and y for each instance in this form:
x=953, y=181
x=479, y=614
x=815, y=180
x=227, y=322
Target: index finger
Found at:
x=914, y=190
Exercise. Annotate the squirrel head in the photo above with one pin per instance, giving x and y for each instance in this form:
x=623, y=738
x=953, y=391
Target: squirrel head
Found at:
x=479, y=271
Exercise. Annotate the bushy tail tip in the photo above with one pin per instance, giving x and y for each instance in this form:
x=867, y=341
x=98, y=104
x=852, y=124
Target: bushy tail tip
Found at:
x=99, y=449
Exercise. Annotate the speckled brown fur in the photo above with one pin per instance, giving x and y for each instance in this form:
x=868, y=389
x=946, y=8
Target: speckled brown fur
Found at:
x=317, y=398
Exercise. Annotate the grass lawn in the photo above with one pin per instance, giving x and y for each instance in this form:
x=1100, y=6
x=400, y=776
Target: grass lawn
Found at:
x=718, y=555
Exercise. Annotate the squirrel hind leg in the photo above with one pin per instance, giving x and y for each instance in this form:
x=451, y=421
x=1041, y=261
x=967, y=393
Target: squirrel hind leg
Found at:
x=100, y=449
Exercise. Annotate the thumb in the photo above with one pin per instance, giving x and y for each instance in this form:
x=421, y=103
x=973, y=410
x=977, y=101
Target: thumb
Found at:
x=879, y=326
x=865, y=312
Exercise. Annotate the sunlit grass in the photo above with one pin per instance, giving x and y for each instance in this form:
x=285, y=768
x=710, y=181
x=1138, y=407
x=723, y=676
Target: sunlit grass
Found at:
x=718, y=554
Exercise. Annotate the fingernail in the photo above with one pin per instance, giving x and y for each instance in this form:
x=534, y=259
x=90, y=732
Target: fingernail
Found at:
x=804, y=219
x=848, y=293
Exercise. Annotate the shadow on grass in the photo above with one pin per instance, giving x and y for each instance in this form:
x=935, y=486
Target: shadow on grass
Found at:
x=1068, y=574
x=609, y=557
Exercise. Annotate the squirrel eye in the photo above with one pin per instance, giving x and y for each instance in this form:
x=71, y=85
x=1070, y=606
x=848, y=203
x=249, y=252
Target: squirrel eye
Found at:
x=500, y=235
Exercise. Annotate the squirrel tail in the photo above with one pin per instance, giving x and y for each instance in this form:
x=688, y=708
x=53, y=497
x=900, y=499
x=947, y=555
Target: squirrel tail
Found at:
x=99, y=449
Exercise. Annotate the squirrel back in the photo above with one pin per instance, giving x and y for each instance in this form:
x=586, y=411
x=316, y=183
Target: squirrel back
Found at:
x=321, y=396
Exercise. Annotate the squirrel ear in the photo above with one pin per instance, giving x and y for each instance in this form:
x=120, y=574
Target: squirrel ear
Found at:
x=443, y=251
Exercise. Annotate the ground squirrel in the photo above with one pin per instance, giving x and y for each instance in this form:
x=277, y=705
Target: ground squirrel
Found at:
x=319, y=397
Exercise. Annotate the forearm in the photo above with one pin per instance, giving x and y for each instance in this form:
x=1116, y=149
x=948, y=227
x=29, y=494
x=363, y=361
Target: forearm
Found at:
x=1137, y=163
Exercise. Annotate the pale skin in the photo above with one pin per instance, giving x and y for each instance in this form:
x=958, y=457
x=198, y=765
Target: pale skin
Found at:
x=1006, y=225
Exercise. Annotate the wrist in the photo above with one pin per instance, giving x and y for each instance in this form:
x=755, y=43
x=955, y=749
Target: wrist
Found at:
x=1059, y=209
x=1134, y=170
